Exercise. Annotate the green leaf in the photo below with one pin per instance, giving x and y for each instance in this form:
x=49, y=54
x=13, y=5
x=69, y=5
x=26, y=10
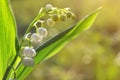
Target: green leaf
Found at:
x=7, y=37
x=53, y=45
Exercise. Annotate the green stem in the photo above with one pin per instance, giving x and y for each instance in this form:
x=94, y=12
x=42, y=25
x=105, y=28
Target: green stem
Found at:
x=41, y=14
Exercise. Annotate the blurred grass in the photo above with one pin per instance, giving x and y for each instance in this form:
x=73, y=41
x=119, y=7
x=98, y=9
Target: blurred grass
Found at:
x=94, y=55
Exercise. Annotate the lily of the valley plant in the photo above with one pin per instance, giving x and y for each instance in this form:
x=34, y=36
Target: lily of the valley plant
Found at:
x=17, y=59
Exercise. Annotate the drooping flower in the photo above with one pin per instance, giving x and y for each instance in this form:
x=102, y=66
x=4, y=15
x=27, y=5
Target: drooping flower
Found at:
x=36, y=38
x=42, y=31
x=50, y=22
x=55, y=17
x=49, y=7
x=63, y=17
x=29, y=52
x=28, y=61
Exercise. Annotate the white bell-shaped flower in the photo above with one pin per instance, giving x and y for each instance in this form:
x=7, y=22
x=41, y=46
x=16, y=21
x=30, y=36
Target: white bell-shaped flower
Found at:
x=29, y=52
x=42, y=31
x=50, y=22
x=49, y=7
x=28, y=61
x=36, y=38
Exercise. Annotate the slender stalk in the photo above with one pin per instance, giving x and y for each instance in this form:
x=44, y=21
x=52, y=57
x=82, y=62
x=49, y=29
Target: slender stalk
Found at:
x=41, y=14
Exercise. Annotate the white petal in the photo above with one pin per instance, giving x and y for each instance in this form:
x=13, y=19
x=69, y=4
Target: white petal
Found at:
x=27, y=61
x=42, y=31
x=29, y=52
x=49, y=7
x=50, y=22
x=36, y=38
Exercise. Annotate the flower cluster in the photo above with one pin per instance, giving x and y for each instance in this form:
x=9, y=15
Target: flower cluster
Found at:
x=53, y=15
x=56, y=14
x=28, y=51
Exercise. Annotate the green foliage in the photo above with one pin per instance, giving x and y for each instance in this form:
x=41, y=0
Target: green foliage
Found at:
x=7, y=37
x=44, y=51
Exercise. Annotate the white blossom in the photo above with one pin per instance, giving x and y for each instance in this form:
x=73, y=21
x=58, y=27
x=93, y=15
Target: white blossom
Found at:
x=27, y=61
x=29, y=52
x=50, y=22
x=49, y=7
x=36, y=38
x=42, y=31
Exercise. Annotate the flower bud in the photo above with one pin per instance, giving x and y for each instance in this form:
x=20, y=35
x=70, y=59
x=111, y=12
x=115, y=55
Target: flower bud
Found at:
x=42, y=31
x=36, y=38
x=40, y=22
x=63, y=17
x=50, y=22
x=29, y=52
x=49, y=7
x=69, y=14
x=27, y=61
x=55, y=17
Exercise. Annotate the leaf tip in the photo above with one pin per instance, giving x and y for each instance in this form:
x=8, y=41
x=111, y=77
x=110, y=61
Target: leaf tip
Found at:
x=99, y=9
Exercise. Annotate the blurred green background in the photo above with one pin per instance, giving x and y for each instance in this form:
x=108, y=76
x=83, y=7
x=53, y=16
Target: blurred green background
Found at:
x=94, y=55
